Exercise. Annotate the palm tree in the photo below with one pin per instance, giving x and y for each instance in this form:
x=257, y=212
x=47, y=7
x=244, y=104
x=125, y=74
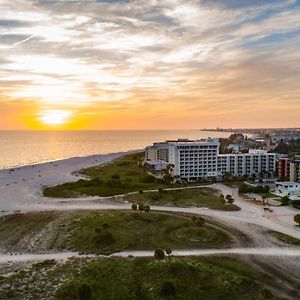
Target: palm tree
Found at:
x=169, y=252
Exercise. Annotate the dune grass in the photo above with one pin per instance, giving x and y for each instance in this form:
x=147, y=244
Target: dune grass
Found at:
x=207, y=278
x=199, y=197
x=284, y=238
x=106, y=233
x=211, y=278
x=120, y=176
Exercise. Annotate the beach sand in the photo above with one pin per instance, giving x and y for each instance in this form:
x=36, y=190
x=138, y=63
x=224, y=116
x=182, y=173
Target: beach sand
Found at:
x=21, y=187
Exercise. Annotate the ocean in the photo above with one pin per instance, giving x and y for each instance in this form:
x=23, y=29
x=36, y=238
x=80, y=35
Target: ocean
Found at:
x=19, y=148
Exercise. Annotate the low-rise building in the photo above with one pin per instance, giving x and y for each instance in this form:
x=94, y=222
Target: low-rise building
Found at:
x=236, y=147
x=287, y=188
x=154, y=166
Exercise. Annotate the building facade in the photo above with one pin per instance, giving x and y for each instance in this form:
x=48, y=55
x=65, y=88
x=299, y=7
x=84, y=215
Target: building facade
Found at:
x=283, y=168
x=201, y=159
x=257, y=163
x=295, y=170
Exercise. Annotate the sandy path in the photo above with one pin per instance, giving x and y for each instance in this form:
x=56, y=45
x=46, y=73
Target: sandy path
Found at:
x=294, y=252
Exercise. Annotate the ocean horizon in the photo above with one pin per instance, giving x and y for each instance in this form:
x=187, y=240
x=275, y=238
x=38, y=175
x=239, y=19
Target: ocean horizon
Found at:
x=18, y=147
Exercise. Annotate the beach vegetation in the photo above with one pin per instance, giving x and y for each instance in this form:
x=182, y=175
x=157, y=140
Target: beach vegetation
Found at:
x=120, y=176
x=199, y=197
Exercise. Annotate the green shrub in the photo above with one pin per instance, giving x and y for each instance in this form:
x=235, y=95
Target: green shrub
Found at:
x=159, y=254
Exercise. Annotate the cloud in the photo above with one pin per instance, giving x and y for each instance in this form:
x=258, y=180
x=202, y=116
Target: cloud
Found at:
x=167, y=57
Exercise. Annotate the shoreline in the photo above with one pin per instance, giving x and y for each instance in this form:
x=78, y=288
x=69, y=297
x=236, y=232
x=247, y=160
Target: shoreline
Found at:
x=22, y=187
x=30, y=164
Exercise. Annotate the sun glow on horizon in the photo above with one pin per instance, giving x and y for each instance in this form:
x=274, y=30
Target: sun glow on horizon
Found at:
x=55, y=116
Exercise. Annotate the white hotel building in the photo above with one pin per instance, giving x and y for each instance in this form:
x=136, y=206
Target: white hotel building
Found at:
x=201, y=159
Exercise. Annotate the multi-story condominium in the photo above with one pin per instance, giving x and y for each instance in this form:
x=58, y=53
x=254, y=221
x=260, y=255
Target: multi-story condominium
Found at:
x=157, y=152
x=295, y=170
x=283, y=168
x=191, y=159
x=254, y=163
x=201, y=159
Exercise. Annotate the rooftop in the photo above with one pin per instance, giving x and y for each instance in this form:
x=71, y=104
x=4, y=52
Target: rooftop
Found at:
x=287, y=183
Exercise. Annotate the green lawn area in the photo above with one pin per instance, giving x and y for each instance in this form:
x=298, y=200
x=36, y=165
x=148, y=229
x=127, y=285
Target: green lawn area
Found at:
x=285, y=238
x=180, y=278
x=111, y=232
x=120, y=176
x=199, y=197
x=106, y=232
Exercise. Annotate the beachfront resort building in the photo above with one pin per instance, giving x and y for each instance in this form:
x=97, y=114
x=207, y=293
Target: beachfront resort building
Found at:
x=201, y=159
x=257, y=163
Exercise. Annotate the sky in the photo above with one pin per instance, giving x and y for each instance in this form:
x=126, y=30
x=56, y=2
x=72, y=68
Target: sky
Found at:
x=155, y=64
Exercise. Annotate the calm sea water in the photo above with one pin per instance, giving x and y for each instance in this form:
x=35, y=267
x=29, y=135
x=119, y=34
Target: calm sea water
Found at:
x=25, y=147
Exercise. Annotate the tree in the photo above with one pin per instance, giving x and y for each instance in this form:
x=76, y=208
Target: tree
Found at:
x=285, y=200
x=141, y=192
x=147, y=208
x=230, y=200
x=297, y=219
x=200, y=221
x=160, y=190
x=167, y=173
x=169, y=252
x=243, y=188
x=227, y=176
x=141, y=207
x=85, y=292
x=134, y=206
x=159, y=254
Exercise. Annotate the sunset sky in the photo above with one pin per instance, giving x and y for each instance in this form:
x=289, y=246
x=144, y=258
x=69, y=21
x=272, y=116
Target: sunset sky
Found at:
x=165, y=64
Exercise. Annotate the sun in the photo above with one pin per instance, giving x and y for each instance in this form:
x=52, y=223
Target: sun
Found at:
x=55, y=116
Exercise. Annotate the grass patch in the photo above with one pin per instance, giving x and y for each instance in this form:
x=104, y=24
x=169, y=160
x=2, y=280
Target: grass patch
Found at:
x=16, y=230
x=180, y=278
x=121, y=176
x=199, y=197
x=106, y=232
x=284, y=238
x=111, y=232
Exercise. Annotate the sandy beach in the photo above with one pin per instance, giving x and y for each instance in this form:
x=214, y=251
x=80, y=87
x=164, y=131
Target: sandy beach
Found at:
x=21, y=187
